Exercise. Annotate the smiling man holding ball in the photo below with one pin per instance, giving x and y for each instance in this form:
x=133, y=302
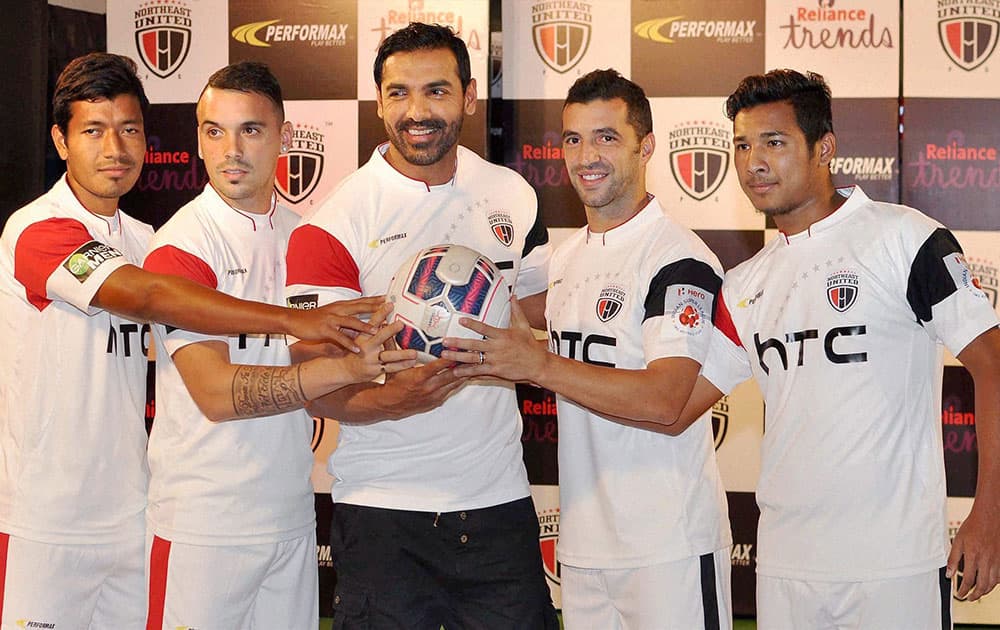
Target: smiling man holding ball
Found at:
x=432, y=522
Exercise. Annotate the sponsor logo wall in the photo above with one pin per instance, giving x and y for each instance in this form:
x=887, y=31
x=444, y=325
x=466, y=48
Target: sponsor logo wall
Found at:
x=688, y=55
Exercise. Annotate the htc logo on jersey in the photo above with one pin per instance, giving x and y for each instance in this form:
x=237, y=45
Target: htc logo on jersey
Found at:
x=587, y=345
x=121, y=341
x=802, y=337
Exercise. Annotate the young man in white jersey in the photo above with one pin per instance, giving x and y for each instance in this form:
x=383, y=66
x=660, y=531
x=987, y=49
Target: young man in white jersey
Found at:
x=73, y=378
x=840, y=319
x=230, y=503
x=644, y=532
x=433, y=523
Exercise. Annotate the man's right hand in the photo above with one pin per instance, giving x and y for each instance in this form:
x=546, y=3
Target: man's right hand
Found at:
x=336, y=322
x=419, y=389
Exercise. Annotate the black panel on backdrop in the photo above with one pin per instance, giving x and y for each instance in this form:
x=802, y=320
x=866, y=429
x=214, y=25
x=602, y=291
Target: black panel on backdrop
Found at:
x=867, y=146
x=743, y=515
x=172, y=173
x=958, y=429
x=532, y=145
x=732, y=246
x=371, y=130
x=312, y=47
x=951, y=160
x=677, y=45
x=327, y=576
x=540, y=436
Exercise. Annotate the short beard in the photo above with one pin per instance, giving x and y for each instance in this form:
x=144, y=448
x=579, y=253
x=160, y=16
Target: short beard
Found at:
x=427, y=153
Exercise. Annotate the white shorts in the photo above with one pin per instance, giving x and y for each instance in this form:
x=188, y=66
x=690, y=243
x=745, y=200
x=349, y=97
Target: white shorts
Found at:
x=687, y=594
x=917, y=602
x=71, y=586
x=273, y=585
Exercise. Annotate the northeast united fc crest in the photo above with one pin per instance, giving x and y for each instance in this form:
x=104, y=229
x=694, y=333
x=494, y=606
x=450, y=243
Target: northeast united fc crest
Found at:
x=548, y=539
x=699, y=157
x=968, y=40
x=561, y=35
x=163, y=36
x=300, y=170
x=842, y=290
x=502, y=227
x=610, y=302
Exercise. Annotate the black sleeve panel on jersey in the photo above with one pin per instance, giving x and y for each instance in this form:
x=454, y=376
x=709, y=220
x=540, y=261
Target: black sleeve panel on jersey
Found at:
x=537, y=236
x=685, y=271
x=930, y=282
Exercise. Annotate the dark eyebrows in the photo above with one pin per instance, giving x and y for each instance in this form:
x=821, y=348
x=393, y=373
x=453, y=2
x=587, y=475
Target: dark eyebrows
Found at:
x=243, y=125
x=763, y=134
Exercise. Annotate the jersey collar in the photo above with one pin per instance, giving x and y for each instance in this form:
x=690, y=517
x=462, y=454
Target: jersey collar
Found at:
x=236, y=217
x=855, y=199
x=388, y=171
x=631, y=229
x=68, y=199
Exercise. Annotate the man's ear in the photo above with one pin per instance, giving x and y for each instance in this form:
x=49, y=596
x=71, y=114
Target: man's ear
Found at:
x=59, y=139
x=827, y=146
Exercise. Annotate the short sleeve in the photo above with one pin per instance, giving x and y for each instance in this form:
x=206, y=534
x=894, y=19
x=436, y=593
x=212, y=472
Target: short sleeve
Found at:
x=726, y=364
x=58, y=259
x=171, y=260
x=678, y=310
x=945, y=296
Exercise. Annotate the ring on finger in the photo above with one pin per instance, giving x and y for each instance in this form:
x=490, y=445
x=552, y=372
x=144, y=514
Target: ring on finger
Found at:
x=482, y=357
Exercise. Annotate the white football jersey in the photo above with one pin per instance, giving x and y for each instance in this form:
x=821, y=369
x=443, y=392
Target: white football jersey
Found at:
x=841, y=327
x=465, y=454
x=628, y=497
x=244, y=481
x=73, y=378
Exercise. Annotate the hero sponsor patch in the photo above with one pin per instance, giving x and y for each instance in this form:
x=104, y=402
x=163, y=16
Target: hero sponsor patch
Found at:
x=689, y=308
x=89, y=257
x=963, y=277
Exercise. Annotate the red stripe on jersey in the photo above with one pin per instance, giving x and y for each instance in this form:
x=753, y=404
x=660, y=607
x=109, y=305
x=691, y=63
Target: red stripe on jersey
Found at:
x=316, y=258
x=724, y=322
x=176, y=262
x=4, y=542
x=159, y=558
x=39, y=251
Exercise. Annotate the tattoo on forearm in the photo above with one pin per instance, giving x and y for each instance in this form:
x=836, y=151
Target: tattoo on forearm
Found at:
x=261, y=390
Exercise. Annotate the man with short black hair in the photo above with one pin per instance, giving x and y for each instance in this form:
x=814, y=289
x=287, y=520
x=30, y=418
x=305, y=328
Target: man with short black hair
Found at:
x=432, y=519
x=644, y=532
x=840, y=320
x=232, y=524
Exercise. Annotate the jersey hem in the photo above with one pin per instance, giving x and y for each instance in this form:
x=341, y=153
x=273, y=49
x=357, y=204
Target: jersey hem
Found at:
x=394, y=501
x=227, y=539
x=789, y=573
x=585, y=562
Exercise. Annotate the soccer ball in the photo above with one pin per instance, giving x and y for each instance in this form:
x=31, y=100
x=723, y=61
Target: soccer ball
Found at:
x=439, y=285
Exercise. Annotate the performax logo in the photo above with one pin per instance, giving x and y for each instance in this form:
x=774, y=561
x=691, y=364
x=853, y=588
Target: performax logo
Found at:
x=313, y=34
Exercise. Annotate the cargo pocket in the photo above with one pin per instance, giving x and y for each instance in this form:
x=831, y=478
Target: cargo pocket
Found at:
x=350, y=611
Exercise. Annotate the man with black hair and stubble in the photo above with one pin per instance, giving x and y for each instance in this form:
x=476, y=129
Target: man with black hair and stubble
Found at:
x=644, y=535
x=73, y=378
x=841, y=319
x=231, y=520
x=433, y=524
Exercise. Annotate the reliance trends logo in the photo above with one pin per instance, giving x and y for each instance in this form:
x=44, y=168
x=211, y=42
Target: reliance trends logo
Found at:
x=968, y=30
x=956, y=164
x=561, y=33
x=300, y=170
x=394, y=20
x=669, y=30
x=699, y=157
x=275, y=32
x=163, y=35
x=824, y=26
